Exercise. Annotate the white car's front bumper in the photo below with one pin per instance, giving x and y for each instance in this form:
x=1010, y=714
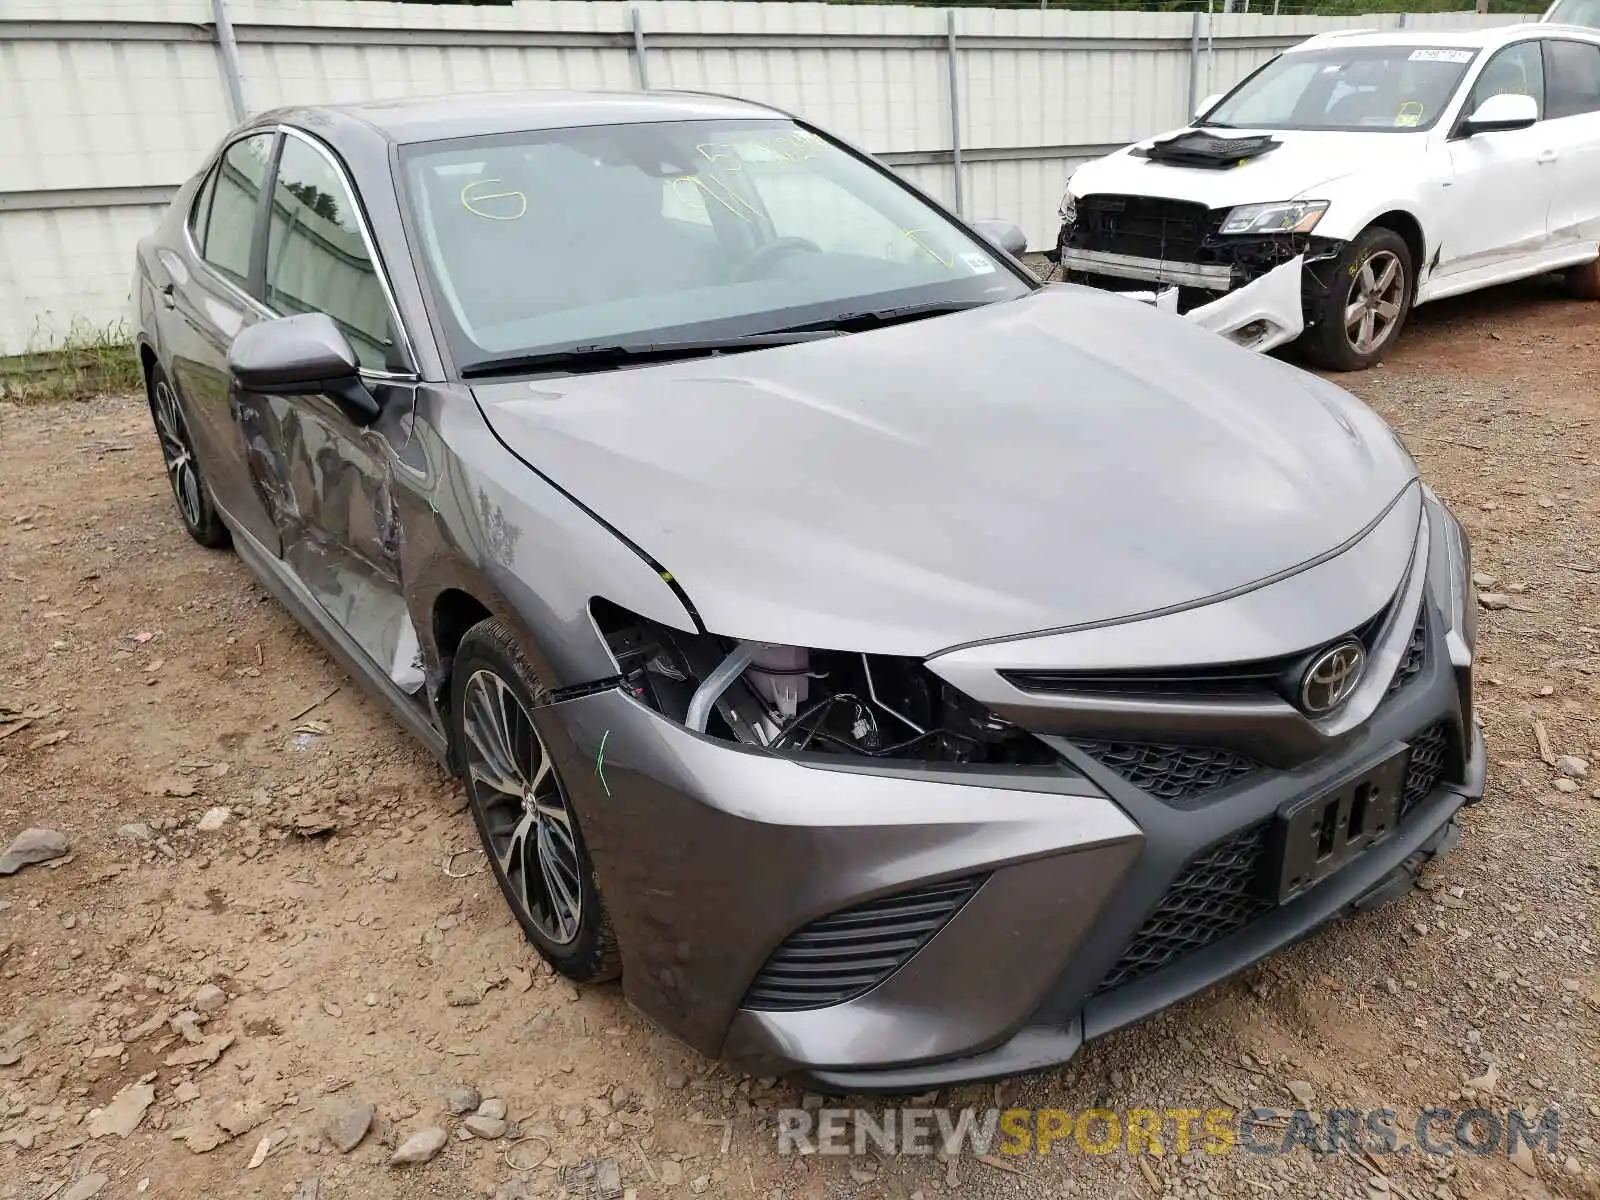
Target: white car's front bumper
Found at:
x=1262, y=315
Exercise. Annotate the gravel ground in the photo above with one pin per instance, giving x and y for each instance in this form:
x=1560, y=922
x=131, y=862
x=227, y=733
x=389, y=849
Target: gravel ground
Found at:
x=199, y=1004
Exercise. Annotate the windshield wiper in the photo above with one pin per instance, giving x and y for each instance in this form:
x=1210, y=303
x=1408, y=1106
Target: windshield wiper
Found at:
x=605, y=356
x=856, y=322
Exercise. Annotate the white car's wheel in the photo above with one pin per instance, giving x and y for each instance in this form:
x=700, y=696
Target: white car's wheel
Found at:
x=1366, y=307
x=1584, y=281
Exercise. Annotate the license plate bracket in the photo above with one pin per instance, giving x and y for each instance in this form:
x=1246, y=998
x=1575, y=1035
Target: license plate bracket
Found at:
x=1316, y=836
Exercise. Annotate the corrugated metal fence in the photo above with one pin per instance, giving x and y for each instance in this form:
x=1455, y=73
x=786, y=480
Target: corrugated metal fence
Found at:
x=107, y=105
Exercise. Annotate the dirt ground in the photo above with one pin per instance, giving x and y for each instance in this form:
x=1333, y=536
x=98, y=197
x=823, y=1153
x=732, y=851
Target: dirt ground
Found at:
x=353, y=957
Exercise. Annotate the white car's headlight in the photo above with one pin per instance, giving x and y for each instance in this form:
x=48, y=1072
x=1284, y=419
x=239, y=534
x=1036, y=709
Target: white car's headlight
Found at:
x=1276, y=216
x=1068, y=209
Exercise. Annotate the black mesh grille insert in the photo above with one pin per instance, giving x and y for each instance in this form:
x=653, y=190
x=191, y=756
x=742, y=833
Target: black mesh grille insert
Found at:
x=1415, y=656
x=1429, y=751
x=1216, y=894
x=1143, y=226
x=1212, y=897
x=844, y=954
x=1181, y=776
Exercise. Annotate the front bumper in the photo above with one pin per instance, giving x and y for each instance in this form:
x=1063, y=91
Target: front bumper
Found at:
x=1261, y=315
x=712, y=858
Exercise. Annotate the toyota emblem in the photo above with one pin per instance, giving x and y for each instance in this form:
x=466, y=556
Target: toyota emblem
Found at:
x=1331, y=677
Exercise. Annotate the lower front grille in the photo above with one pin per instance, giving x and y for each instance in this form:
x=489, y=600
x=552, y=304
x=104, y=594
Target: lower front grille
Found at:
x=840, y=956
x=1218, y=893
x=1215, y=895
x=1181, y=776
x=1430, y=750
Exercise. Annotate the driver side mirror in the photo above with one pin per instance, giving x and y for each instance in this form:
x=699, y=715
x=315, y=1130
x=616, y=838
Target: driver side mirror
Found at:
x=1508, y=110
x=1002, y=234
x=1207, y=105
x=305, y=355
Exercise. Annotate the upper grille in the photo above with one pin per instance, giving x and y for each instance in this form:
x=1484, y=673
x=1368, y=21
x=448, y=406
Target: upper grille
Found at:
x=1416, y=655
x=1212, y=897
x=1177, y=775
x=840, y=956
x=1145, y=226
x=1429, y=751
x=1259, y=678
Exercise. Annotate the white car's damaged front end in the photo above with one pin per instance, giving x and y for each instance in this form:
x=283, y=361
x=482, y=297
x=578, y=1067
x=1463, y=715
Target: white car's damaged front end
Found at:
x=1239, y=270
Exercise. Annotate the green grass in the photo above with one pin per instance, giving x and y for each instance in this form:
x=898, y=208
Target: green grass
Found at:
x=90, y=361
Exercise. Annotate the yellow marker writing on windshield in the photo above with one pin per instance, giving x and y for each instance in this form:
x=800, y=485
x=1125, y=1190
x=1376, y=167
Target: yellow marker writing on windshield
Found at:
x=1410, y=114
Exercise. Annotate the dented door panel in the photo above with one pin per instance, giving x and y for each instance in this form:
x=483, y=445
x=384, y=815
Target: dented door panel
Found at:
x=333, y=484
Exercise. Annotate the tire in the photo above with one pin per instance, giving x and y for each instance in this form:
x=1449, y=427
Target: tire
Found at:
x=522, y=809
x=1584, y=282
x=1362, y=276
x=184, y=474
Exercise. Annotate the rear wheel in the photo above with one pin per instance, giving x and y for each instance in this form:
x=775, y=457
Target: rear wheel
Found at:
x=1584, y=281
x=522, y=808
x=188, y=482
x=1366, y=306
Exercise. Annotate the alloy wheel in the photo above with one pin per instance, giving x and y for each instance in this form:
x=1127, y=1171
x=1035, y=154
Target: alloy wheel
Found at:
x=1372, y=309
x=524, y=808
x=177, y=454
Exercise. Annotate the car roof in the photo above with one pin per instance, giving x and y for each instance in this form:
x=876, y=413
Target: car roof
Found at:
x=430, y=118
x=1471, y=39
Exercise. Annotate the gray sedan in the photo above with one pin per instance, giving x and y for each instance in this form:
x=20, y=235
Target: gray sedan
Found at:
x=896, y=670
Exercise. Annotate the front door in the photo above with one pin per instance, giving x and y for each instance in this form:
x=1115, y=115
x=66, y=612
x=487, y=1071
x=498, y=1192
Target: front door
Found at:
x=1499, y=198
x=341, y=533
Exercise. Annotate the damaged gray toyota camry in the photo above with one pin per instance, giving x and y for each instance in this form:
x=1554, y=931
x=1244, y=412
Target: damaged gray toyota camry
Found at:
x=896, y=670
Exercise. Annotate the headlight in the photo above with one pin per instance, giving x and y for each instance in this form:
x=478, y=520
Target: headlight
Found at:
x=792, y=700
x=1068, y=209
x=1277, y=216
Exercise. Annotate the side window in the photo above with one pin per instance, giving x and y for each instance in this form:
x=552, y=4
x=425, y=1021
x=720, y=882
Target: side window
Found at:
x=316, y=258
x=200, y=213
x=1572, y=77
x=236, y=192
x=1517, y=70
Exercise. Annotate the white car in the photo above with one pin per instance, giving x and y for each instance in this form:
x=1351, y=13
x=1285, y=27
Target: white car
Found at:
x=1350, y=178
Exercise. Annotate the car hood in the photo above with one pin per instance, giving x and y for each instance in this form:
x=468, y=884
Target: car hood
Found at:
x=1303, y=162
x=1069, y=457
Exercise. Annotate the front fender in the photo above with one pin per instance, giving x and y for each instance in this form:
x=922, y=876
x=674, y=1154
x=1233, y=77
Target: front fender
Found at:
x=478, y=520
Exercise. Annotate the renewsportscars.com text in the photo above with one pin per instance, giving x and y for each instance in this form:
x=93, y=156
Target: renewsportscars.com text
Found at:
x=1264, y=1131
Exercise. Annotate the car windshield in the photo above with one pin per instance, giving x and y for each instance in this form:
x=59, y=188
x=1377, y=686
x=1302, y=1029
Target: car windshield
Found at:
x=638, y=234
x=1575, y=12
x=1378, y=88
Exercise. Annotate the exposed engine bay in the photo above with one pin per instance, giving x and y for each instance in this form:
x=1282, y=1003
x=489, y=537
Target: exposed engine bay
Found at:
x=793, y=701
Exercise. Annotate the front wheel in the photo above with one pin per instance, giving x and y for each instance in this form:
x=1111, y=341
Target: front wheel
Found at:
x=1366, y=305
x=522, y=808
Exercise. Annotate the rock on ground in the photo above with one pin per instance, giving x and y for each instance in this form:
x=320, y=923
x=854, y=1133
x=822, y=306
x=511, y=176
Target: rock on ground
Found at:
x=422, y=1146
x=32, y=846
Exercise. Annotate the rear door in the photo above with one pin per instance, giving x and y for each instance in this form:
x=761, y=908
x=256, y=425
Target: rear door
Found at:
x=211, y=297
x=1498, y=202
x=1572, y=89
x=335, y=478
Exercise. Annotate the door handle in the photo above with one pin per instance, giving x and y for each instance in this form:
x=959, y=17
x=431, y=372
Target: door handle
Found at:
x=1547, y=156
x=166, y=296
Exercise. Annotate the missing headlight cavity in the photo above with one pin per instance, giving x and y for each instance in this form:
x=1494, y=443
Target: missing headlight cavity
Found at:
x=792, y=700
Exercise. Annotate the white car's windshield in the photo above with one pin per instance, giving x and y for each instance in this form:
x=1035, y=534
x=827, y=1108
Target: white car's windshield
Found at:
x=666, y=231
x=1575, y=12
x=1393, y=88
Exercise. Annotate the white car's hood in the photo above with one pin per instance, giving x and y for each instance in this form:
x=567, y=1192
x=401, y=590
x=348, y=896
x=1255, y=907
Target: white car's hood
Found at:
x=1304, y=161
